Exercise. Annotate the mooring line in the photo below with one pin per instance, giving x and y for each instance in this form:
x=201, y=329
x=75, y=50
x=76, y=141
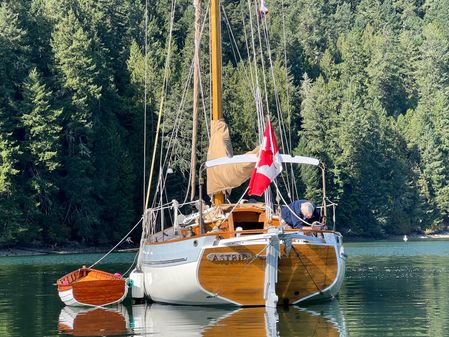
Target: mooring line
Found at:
x=307, y=270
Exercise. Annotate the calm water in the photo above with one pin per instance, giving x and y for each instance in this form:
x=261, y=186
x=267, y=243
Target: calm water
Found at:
x=391, y=289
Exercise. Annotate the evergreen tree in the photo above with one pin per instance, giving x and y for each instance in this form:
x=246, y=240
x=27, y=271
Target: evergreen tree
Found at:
x=319, y=109
x=13, y=64
x=78, y=71
x=429, y=125
x=41, y=160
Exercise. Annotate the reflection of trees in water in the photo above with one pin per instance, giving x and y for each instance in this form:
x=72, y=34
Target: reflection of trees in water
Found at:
x=405, y=295
x=436, y=305
x=24, y=306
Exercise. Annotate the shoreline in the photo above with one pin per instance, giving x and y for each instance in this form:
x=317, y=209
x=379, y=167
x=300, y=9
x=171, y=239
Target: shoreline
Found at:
x=64, y=250
x=31, y=251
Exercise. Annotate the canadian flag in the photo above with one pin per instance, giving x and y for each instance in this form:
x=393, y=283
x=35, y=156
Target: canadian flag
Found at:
x=269, y=164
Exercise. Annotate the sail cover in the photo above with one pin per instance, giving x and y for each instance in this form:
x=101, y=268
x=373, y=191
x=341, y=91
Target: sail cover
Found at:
x=225, y=177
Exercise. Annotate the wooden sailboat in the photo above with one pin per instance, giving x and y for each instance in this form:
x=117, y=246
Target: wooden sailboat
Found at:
x=235, y=253
x=91, y=287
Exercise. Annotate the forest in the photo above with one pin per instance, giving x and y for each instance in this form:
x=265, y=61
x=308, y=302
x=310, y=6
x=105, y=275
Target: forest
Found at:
x=364, y=88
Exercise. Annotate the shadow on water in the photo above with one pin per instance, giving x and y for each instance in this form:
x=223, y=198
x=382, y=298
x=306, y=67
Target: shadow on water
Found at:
x=167, y=320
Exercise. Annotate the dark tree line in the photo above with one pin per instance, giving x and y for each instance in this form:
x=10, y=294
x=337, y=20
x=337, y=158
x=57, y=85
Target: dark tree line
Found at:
x=362, y=85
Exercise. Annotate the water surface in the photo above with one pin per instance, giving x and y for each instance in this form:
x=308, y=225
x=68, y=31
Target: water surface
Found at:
x=391, y=289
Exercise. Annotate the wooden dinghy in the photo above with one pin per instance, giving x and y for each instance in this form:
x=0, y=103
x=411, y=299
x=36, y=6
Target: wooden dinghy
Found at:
x=91, y=287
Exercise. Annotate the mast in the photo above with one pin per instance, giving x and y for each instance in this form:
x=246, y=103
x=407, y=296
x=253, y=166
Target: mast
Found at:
x=196, y=86
x=215, y=36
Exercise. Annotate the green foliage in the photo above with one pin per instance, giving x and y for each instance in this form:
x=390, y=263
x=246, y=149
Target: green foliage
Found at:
x=40, y=162
x=361, y=85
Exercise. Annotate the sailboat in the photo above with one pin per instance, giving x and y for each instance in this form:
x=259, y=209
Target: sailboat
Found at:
x=236, y=253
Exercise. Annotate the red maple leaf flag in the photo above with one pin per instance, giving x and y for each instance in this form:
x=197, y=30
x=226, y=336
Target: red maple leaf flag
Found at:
x=269, y=164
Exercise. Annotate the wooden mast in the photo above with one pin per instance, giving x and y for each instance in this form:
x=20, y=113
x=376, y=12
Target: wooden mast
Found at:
x=196, y=86
x=215, y=36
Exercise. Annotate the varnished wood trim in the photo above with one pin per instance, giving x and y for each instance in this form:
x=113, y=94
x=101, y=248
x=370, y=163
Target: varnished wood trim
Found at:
x=243, y=281
x=238, y=281
x=66, y=282
x=99, y=292
x=299, y=277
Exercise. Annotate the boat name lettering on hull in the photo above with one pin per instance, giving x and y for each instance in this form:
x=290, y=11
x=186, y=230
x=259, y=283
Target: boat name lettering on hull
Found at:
x=229, y=257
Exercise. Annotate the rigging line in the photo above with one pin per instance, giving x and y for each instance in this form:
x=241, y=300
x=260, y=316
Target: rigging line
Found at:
x=286, y=74
x=287, y=92
x=118, y=244
x=233, y=208
x=259, y=107
x=247, y=46
x=293, y=190
x=276, y=92
x=258, y=99
x=278, y=104
x=307, y=269
x=291, y=186
x=132, y=264
x=262, y=58
x=177, y=121
x=145, y=105
x=203, y=25
x=231, y=35
x=161, y=191
x=176, y=127
x=204, y=109
x=174, y=134
x=164, y=87
x=177, y=124
x=289, y=208
x=201, y=82
x=327, y=257
x=165, y=194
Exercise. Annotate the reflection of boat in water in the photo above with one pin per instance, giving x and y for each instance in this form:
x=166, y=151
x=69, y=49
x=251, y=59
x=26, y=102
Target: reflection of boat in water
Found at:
x=79, y=321
x=318, y=320
x=324, y=319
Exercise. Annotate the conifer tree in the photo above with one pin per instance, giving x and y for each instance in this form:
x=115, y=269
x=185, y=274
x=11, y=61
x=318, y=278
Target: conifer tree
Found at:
x=78, y=72
x=13, y=63
x=41, y=159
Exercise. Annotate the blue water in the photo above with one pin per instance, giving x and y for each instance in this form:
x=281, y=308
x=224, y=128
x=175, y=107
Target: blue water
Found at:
x=392, y=288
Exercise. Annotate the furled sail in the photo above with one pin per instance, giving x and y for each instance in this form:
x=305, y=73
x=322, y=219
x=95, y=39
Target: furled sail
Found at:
x=225, y=177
